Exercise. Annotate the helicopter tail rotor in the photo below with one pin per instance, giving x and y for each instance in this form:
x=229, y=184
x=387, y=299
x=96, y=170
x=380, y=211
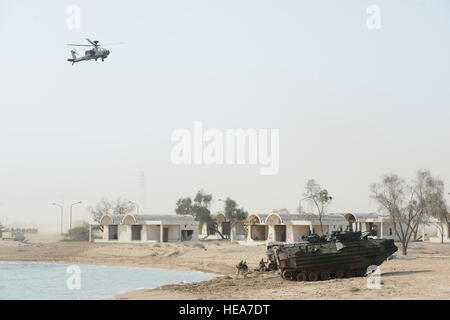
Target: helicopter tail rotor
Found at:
x=74, y=53
x=74, y=56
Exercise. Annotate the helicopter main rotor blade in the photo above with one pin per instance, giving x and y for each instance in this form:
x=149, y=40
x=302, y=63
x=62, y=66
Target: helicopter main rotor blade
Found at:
x=92, y=43
x=113, y=44
x=80, y=45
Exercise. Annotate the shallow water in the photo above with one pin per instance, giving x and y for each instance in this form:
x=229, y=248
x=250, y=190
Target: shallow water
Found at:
x=52, y=281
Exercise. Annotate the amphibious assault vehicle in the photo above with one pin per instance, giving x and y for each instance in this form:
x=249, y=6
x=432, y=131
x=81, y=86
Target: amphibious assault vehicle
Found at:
x=339, y=255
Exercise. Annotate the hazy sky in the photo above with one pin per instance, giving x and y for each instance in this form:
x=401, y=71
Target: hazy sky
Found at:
x=351, y=103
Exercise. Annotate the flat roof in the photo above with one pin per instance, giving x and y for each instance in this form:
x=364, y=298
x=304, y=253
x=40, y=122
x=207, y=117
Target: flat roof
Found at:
x=117, y=219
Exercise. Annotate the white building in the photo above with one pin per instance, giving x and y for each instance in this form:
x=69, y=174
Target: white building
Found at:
x=382, y=225
x=235, y=231
x=274, y=227
x=434, y=229
x=148, y=228
x=289, y=228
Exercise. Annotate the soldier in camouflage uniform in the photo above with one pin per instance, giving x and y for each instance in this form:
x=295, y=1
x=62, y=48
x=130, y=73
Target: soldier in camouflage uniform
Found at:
x=242, y=268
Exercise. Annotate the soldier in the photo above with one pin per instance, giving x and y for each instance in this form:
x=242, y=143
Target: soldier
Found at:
x=242, y=268
x=262, y=265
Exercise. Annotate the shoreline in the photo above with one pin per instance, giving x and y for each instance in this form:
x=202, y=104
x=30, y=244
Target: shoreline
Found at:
x=107, y=265
x=167, y=256
x=64, y=262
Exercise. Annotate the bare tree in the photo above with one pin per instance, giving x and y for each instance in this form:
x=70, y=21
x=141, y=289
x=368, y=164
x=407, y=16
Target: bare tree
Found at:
x=422, y=185
x=123, y=207
x=436, y=205
x=318, y=198
x=103, y=207
x=405, y=203
x=107, y=207
x=443, y=219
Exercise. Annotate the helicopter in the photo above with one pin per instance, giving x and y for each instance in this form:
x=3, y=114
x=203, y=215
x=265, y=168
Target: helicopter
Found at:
x=97, y=52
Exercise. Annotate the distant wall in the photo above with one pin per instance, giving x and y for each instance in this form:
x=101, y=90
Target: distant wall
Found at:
x=174, y=232
x=153, y=232
x=258, y=232
x=299, y=231
x=124, y=233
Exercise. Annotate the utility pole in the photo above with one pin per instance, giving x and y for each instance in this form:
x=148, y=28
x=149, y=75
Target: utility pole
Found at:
x=142, y=187
x=71, y=206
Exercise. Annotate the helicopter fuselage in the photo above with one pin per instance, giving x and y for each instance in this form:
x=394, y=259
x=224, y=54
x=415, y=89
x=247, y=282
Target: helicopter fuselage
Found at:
x=92, y=54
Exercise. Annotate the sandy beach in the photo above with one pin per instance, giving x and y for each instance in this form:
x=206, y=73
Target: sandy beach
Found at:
x=423, y=274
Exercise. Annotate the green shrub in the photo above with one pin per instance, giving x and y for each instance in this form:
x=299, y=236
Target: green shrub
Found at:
x=80, y=233
x=19, y=236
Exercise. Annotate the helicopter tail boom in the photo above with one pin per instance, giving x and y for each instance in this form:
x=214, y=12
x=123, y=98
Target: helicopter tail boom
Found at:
x=74, y=56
